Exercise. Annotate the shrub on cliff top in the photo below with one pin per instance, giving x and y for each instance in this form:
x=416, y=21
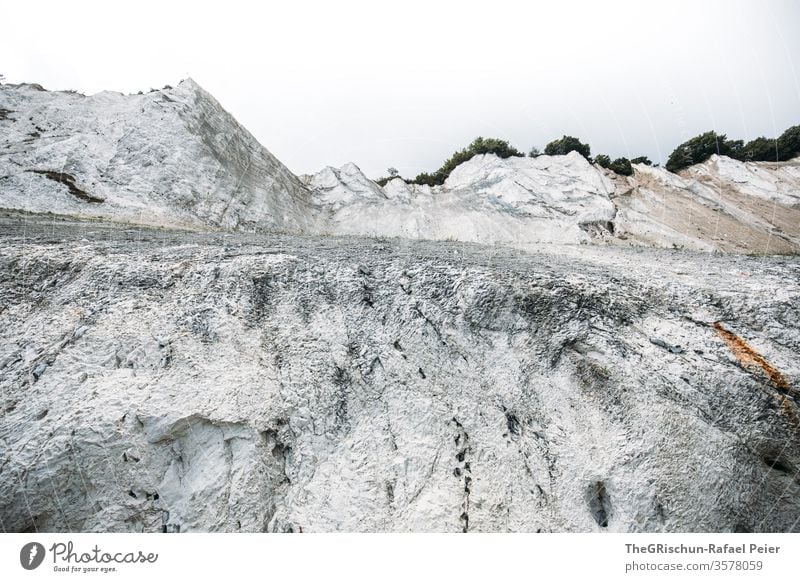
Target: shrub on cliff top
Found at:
x=621, y=166
x=700, y=148
x=566, y=144
x=480, y=145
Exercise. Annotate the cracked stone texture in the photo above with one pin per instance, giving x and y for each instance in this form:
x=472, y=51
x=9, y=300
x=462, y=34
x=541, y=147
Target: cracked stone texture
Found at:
x=154, y=380
x=167, y=157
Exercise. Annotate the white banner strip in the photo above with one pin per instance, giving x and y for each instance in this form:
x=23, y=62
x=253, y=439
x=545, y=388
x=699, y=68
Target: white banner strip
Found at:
x=373, y=557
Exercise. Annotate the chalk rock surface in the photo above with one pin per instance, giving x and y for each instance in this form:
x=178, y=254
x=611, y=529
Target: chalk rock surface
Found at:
x=721, y=204
x=486, y=199
x=161, y=381
x=194, y=339
x=169, y=157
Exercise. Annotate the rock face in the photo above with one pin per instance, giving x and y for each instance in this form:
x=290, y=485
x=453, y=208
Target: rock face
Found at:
x=487, y=199
x=722, y=204
x=219, y=378
x=160, y=381
x=175, y=157
x=171, y=157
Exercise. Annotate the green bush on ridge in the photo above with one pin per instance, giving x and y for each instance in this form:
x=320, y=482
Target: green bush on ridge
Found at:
x=561, y=147
x=761, y=149
x=693, y=151
x=502, y=149
x=621, y=166
x=479, y=145
x=700, y=148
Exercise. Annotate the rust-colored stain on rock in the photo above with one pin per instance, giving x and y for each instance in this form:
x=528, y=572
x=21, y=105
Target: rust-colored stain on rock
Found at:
x=751, y=360
x=754, y=362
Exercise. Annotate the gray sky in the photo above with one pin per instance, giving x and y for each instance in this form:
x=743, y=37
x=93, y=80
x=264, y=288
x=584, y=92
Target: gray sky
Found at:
x=405, y=84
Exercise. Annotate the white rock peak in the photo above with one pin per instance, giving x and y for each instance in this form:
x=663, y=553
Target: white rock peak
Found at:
x=171, y=157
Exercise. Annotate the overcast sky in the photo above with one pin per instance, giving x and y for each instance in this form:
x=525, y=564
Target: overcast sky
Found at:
x=404, y=84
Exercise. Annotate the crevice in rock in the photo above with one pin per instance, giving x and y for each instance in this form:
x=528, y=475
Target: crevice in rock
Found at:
x=464, y=470
x=341, y=377
x=661, y=513
x=279, y=451
x=264, y=290
x=367, y=295
x=599, y=503
x=514, y=426
x=69, y=181
x=416, y=309
x=777, y=464
x=597, y=228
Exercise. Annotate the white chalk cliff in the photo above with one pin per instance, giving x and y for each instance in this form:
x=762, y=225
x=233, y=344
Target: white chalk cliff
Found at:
x=172, y=157
x=721, y=204
x=249, y=372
